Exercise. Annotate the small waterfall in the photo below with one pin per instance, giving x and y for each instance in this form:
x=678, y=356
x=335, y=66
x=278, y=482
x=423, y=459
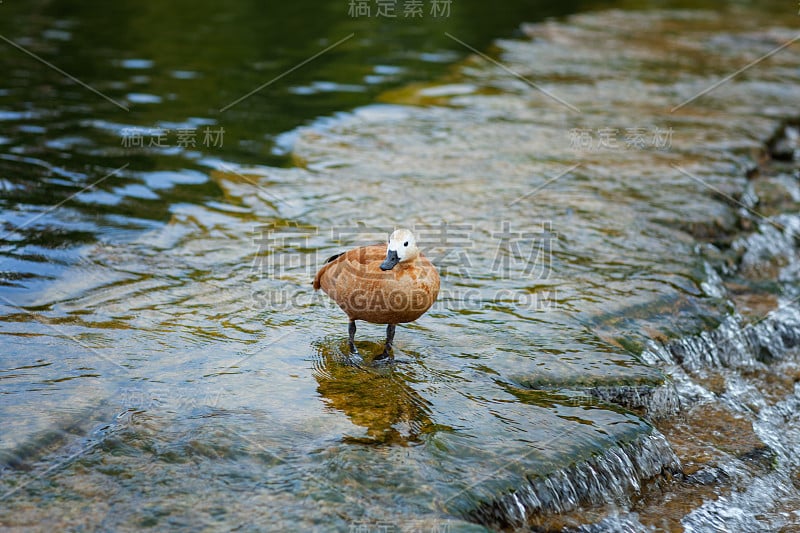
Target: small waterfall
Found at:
x=733, y=344
x=771, y=501
x=627, y=523
x=743, y=354
x=612, y=476
x=773, y=247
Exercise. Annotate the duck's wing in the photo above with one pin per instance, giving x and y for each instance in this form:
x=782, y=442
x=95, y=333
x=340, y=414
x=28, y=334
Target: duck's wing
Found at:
x=357, y=257
x=431, y=274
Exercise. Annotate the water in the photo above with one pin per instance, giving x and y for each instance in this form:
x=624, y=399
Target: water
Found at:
x=601, y=355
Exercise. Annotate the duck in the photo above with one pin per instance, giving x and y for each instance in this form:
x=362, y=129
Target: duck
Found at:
x=388, y=283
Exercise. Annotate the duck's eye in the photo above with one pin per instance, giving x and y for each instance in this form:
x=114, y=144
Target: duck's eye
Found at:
x=405, y=243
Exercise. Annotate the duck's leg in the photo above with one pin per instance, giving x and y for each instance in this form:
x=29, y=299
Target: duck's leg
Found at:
x=351, y=330
x=387, y=350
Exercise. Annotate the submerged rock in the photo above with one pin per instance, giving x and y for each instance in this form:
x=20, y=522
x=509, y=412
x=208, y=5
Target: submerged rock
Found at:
x=785, y=145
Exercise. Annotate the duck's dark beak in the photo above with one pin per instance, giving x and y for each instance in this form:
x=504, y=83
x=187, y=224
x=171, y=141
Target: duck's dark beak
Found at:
x=390, y=261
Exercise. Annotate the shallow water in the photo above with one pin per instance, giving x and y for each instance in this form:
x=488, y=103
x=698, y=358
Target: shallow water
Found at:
x=588, y=364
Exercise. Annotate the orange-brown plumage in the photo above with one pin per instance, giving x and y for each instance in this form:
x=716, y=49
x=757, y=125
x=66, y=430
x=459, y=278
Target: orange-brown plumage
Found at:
x=383, y=284
x=356, y=283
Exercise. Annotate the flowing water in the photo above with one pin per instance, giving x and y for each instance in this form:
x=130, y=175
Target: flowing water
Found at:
x=615, y=346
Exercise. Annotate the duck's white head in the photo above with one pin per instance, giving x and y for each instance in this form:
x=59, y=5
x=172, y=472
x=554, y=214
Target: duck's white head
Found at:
x=402, y=247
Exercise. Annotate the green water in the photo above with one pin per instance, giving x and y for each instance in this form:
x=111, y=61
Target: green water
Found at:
x=174, y=66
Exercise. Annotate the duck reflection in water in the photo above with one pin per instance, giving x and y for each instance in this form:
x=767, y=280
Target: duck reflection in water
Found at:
x=378, y=399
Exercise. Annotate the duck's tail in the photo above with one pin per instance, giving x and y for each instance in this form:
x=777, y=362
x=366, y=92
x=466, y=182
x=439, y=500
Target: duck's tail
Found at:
x=317, y=279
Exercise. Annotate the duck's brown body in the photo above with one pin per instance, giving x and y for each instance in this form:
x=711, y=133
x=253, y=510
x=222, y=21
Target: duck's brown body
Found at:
x=355, y=281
